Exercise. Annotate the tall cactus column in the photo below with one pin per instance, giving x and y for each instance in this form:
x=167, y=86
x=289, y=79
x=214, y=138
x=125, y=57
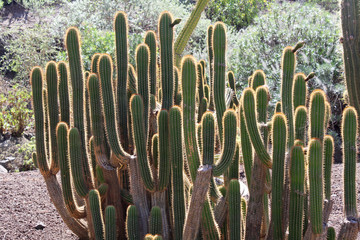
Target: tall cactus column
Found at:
x=350, y=22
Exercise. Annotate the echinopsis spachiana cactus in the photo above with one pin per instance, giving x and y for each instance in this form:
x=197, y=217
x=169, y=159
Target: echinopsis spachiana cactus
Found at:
x=136, y=164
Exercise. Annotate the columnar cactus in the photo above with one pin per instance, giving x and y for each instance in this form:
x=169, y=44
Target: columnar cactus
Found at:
x=119, y=151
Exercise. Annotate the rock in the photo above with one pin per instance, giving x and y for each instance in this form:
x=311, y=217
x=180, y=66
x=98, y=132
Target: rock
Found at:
x=40, y=226
x=3, y=170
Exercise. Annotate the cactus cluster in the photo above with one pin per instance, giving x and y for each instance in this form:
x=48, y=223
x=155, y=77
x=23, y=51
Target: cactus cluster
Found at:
x=140, y=163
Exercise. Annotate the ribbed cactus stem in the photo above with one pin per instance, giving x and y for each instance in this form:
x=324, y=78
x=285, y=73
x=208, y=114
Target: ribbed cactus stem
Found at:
x=110, y=223
x=300, y=123
x=317, y=114
x=143, y=83
x=248, y=103
x=210, y=50
x=208, y=138
x=64, y=92
x=299, y=90
x=137, y=117
x=258, y=79
x=187, y=30
x=166, y=37
x=328, y=160
x=188, y=76
x=164, y=150
x=219, y=49
x=132, y=83
x=229, y=143
x=232, y=85
x=108, y=102
x=331, y=235
x=278, y=107
x=279, y=138
x=155, y=222
x=177, y=165
x=96, y=214
x=121, y=50
x=349, y=136
x=297, y=192
x=150, y=40
x=288, y=62
x=350, y=18
x=246, y=147
x=132, y=223
x=234, y=210
x=94, y=63
x=316, y=185
x=53, y=112
x=67, y=190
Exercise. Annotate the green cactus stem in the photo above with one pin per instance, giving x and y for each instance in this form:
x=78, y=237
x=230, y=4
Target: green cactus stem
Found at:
x=155, y=222
x=349, y=135
x=164, y=150
x=137, y=117
x=331, y=235
x=316, y=185
x=187, y=30
x=317, y=114
x=94, y=63
x=219, y=48
x=234, y=210
x=278, y=107
x=96, y=215
x=121, y=50
x=299, y=90
x=246, y=147
x=110, y=223
x=150, y=40
x=248, y=103
x=328, y=160
x=279, y=138
x=166, y=36
x=300, y=123
x=177, y=166
x=258, y=79
x=132, y=224
x=297, y=192
x=210, y=50
x=63, y=92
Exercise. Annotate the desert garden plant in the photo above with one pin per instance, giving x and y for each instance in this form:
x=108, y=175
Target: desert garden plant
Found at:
x=134, y=166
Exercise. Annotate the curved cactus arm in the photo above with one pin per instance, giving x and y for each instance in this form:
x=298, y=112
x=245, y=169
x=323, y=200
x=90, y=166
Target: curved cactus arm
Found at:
x=136, y=106
x=110, y=223
x=300, y=123
x=229, y=143
x=187, y=30
x=317, y=114
x=67, y=190
x=53, y=112
x=219, y=48
x=64, y=101
x=78, y=175
x=166, y=37
x=132, y=224
x=121, y=49
x=258, y=78
x=164, y=150
x=108, y=102
x=177, y=166
x=150, y=40
x=234, y=210
x=279, y=138
x=297, y=192
x=328, y=160
x=188, y=76
x=246, y=147
x=36, y=81
x=248, y=103
x=96, y=214
x=299, y=91
x=143, y=83
x=155, y=222
x=349, y=136
x=316, y=185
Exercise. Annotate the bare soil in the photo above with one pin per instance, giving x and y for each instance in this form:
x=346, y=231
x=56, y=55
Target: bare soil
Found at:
x=25, y=206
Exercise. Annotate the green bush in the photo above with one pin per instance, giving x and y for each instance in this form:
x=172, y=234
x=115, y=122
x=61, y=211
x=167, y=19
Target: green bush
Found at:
x=236, y=13
x=15, y=112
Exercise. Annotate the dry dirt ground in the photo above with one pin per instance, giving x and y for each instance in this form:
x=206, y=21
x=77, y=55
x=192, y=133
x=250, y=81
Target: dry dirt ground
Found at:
x=25, y=204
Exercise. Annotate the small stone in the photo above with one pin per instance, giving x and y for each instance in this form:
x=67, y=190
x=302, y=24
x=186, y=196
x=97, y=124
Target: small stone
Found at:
x=3, y=170
x=40, y=226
